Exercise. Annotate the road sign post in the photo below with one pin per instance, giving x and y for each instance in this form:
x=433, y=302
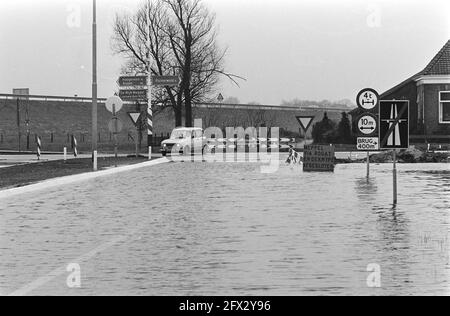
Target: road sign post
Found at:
x=368, y=126
x=394, y=132
x=136, y=119
x=368, y=100
x=305, y=123
x=368, y=165
x=114, y=104
x=395, y=198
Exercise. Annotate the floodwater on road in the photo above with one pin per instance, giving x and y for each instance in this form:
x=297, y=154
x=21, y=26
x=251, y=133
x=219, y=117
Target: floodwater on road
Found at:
x=227, y=229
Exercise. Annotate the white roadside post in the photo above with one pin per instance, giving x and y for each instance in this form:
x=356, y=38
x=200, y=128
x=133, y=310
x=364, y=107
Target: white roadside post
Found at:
x=65, y=153
x=95, y=161
x=39, y=147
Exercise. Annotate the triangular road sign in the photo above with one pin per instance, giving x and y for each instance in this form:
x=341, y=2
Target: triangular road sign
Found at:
x=135, y=117
x=305, y=122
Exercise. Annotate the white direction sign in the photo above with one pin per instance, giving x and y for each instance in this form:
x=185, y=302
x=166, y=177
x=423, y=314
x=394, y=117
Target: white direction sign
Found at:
x=368, y=99
x=114, y=104
x=367, y=124
x=368, y=144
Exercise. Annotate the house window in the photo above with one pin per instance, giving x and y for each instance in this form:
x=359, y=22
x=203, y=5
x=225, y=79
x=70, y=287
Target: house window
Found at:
x=444, y=107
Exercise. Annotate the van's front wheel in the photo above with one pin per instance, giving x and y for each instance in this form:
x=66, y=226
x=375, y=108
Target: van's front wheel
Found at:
x=187, y=151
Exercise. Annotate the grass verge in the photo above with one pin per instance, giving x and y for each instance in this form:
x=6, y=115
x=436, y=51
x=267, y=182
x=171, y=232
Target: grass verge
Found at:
x=21, y=175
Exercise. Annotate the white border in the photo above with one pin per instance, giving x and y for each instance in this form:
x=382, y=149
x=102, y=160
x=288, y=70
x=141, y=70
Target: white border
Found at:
x=443, y=79
x=441, y=110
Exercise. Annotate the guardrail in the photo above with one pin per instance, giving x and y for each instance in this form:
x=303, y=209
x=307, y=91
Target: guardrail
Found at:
x=268, y=107
x=206, y=105
x=48, y=98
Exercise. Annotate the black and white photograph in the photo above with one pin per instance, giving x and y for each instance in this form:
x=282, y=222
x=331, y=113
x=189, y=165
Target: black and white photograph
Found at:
x=224, y=156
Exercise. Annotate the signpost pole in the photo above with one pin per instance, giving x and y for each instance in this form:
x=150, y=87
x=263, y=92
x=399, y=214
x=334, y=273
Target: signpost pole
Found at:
x=394, y=133
x=115, y=133
x=138, y=149
x=395, y=178
x=368, y=165
x=18, y=124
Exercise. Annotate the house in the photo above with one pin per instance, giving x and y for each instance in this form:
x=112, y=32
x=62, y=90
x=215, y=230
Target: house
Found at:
x=429, y=94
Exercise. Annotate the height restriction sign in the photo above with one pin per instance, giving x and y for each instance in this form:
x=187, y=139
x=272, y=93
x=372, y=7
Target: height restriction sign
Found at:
x=394, y=124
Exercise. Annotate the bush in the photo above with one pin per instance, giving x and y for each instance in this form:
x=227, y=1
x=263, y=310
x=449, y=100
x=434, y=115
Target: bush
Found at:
x=323, y=131
x=327, y=132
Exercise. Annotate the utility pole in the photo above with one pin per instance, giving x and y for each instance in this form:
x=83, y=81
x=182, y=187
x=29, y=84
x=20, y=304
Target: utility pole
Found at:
x=94, y=87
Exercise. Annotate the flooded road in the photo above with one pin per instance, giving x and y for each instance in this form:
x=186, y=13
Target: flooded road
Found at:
x=228, y=229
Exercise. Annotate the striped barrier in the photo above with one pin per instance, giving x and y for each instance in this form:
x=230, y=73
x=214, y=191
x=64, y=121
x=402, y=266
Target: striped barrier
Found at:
x=294, y=157
x=75, y=146
x=39, y=147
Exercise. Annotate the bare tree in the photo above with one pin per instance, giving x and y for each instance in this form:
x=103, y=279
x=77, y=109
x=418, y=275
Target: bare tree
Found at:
x=183, y=41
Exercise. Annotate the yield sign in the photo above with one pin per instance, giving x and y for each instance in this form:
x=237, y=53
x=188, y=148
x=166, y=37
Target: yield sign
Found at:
x=305, y=122
x=135, y=117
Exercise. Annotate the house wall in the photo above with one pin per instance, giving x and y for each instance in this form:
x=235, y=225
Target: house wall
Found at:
x=408, y=92
x=431, y=103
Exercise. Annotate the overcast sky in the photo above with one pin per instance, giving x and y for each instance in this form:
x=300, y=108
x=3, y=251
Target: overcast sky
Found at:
x=306, y=49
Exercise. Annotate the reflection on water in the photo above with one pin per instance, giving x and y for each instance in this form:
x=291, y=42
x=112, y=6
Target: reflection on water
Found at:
x=224, y=229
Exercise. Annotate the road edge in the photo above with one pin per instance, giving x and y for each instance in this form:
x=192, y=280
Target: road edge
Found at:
x=51, y=183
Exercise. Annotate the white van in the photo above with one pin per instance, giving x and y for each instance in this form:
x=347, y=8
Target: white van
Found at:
x=184, y=141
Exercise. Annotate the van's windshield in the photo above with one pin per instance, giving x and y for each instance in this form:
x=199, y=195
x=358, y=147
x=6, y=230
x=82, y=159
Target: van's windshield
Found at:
x=180, y=134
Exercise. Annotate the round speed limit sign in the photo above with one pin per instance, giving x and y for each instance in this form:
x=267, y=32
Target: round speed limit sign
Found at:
x=367, y=124
x=368, y=99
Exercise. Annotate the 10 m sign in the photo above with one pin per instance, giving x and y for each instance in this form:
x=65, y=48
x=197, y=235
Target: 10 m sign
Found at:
x=367, y=125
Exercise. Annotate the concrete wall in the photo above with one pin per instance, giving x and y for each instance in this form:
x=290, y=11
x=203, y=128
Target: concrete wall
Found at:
x=55, y=121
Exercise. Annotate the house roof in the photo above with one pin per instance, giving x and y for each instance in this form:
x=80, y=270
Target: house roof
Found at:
x=439, y=65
